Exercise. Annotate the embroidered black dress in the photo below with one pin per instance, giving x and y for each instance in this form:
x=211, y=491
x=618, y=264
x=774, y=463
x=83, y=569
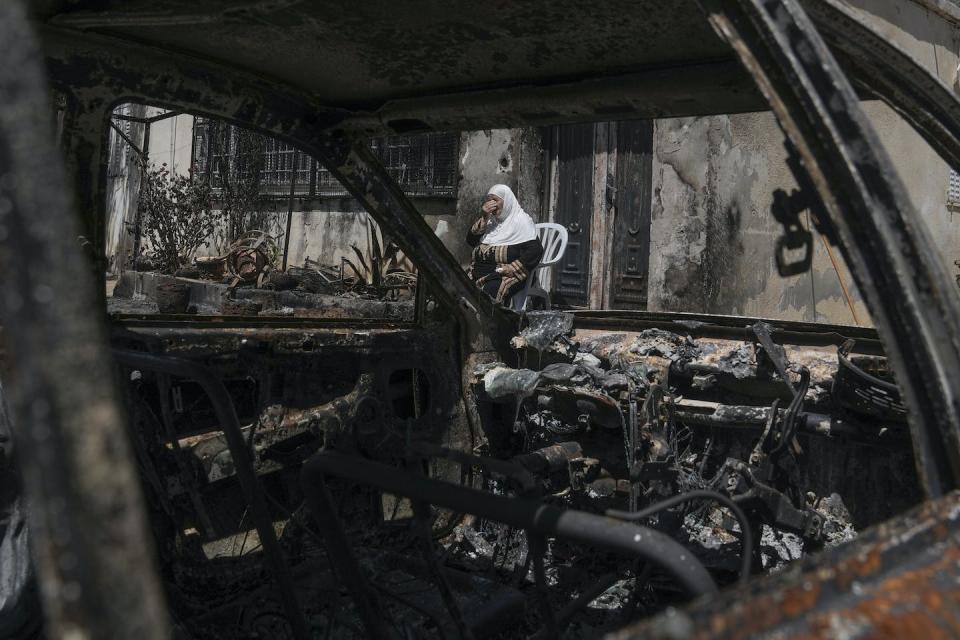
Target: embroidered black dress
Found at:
x=515, y=262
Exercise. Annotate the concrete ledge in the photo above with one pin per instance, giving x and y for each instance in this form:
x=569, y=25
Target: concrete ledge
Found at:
x=208, y=297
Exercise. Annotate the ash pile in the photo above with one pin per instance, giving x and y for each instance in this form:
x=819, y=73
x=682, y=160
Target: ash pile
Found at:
x=613, y=475
x=739, y=451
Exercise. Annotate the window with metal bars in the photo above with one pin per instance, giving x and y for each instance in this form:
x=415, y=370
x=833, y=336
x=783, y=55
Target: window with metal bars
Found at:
x=120, y=152
x=424, y=165
x=953, y=191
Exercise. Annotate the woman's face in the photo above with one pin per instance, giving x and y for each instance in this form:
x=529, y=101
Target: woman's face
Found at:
x=492, y=205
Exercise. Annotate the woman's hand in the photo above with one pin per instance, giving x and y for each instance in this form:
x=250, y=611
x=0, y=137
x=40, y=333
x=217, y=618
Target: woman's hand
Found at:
x=490, y=208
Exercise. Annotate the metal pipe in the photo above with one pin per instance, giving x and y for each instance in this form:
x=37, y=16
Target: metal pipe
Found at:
x=538, y=550
x=547, y=520
x=700, y=494
x=421, y=514
x=341, y=556
x=144, y=173
x=249, y=483
x=293, y=187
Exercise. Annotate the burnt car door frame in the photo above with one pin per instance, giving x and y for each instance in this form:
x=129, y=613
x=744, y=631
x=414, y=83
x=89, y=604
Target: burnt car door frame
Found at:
x=118, y=71
x=885, y=244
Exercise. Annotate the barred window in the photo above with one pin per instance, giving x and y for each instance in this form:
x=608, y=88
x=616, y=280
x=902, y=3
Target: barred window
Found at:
x=953, y=191
x=280, y=162
x=120, y=152
x=424, y=165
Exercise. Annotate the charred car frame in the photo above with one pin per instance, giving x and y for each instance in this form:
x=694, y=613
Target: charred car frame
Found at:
x=614, y=431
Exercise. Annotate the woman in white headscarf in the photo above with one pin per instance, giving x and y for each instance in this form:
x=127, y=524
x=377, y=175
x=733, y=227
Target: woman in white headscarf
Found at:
x=506, y=246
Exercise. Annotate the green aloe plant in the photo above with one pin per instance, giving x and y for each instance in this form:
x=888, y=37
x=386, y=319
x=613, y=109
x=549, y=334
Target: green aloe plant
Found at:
x=382, y=261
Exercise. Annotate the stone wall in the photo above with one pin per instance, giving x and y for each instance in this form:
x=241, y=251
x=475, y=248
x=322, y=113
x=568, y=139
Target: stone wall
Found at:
x=712, y=232
x=513, y=157
x=509, y=156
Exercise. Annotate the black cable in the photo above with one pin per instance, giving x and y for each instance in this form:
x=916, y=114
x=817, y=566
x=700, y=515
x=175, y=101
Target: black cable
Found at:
x=541, y=518
x=537, y=546
x=790, y=417
x=746, y=541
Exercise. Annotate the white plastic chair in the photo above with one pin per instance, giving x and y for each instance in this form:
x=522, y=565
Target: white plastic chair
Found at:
x=553, y=237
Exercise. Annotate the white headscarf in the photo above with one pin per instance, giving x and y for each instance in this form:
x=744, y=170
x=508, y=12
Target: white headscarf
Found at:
x=513, y=225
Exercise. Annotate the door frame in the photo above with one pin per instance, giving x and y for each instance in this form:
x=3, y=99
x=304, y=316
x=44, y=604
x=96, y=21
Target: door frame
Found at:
x=600, y=280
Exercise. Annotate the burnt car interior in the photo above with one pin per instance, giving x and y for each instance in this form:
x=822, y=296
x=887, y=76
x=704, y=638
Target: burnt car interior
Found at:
x=437, y=465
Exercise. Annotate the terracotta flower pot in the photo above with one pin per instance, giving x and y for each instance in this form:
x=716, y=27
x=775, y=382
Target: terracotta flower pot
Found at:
x=173, y=296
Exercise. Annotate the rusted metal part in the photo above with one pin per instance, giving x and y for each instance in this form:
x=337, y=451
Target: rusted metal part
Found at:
x=189, y=323
x=227, y=415
x=669, y=503
x=865, y=392
x=887, y=247
x=120, y=70
x=703, y=88
x=82, y=143
x=541, y=519
x=365, y=598
x=333, y=338
x=420, y=49
x=92, y=547
x=511, y=470
x=582, y=405
x=547, y=460
x=708, y=83
x=897, y=580
x=360, y=361
x=783, y=332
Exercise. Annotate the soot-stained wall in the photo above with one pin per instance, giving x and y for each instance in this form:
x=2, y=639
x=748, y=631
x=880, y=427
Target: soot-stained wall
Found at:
x=513, y=157
x=712, y=234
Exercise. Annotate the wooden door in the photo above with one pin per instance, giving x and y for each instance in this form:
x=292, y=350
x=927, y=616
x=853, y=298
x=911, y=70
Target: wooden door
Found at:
x=573, y=147
x=631, y=226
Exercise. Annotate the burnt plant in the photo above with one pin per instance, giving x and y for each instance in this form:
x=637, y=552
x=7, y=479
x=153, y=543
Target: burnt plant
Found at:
x=381, y=268
x=176, y=217
x=238, y=162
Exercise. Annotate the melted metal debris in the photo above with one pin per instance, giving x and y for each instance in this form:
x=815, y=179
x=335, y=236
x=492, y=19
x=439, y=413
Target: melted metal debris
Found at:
x=544, y=328
x=739, y=362
x=838, y=523
x=503, y=382
x=666, y=344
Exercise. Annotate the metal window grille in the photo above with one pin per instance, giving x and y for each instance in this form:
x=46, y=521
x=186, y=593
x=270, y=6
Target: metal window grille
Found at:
x=201, y=146
x=953, y=191
x=120, y=152
x=280, y=161
x=423, y=165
